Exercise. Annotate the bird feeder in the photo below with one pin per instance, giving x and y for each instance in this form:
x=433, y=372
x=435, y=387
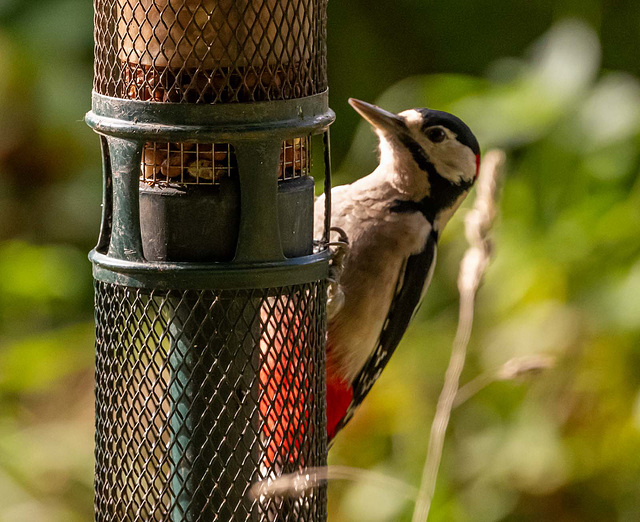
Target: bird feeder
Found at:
x=210, y=291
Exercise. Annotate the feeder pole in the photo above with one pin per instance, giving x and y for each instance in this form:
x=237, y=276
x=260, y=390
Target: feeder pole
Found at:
x=210, y=291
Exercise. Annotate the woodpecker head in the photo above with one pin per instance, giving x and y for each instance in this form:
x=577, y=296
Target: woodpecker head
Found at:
x=430, y=154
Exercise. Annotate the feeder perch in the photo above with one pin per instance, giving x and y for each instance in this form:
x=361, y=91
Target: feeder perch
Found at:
x=210, y=293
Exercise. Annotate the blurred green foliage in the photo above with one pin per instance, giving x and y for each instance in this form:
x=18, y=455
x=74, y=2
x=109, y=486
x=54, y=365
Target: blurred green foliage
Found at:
x=554, y=83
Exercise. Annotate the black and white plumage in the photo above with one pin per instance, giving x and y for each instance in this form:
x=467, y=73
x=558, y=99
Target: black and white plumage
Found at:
x=393, y=217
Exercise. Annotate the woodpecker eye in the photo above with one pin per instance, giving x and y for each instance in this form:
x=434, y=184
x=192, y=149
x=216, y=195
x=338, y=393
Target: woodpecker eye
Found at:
x=436, y=134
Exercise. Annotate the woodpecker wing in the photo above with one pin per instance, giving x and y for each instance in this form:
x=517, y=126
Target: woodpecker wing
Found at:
x=412, y=284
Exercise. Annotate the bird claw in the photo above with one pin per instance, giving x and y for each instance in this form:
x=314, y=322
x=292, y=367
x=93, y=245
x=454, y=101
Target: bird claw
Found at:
x=343, y=235
x=339, y=250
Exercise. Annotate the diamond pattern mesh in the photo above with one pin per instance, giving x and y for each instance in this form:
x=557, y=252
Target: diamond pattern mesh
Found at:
x=190, y=163
x=209, y=51
x=201, y=393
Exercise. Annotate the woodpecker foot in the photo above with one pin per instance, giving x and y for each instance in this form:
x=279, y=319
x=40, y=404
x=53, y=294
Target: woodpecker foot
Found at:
x=339, y=250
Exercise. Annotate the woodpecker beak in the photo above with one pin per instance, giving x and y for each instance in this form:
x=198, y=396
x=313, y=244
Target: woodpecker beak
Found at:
x=379, y=118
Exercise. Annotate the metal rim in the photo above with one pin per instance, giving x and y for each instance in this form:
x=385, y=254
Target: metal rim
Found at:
x=221, y=122
x=170, y=275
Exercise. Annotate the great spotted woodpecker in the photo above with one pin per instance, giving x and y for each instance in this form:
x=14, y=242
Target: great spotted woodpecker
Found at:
x=393, y=217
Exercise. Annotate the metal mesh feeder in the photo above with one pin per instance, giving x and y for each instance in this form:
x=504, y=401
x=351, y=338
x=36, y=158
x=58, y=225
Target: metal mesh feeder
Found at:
x=210, y=294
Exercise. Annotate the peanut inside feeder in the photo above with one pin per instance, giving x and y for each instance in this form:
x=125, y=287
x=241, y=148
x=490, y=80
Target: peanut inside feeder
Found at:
x=215, y=50
x=191, y=163
x=187, y=163
x=209, y=51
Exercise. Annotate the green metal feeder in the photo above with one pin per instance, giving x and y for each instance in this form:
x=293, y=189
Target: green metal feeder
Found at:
x=210, y=291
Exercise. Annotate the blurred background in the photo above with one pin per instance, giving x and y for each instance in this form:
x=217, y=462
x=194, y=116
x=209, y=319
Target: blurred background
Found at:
x=554, y=83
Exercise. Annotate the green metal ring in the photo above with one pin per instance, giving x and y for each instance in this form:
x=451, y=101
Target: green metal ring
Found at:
x=222, y=276
x=223, y=122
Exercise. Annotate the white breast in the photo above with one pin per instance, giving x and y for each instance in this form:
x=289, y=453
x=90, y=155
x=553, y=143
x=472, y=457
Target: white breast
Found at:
x=380, y=243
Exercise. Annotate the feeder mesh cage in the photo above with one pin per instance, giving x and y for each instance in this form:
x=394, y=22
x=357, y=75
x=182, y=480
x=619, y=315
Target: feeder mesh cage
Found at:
x=202, y=391
x=179, y=426
x=210, y=51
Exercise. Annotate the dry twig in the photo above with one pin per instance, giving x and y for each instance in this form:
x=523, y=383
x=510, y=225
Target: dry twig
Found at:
x=478, y=224
x=514, y=369
x=293, y=484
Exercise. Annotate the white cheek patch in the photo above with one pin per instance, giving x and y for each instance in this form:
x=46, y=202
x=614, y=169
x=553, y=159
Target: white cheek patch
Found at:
x=452, y=159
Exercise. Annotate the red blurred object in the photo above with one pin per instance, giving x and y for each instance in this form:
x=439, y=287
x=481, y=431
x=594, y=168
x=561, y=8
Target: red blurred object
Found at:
x=286, y=398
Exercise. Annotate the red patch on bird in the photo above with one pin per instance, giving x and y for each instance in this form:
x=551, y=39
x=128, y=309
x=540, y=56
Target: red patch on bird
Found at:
x=286, y=384
x=477, y=165
x=339, y=397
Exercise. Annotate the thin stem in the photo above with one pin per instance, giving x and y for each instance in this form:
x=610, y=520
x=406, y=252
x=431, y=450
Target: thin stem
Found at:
x=474, y=263
x=514, y=369
x=443, y=410
x=292, y=484
x=473, y=387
